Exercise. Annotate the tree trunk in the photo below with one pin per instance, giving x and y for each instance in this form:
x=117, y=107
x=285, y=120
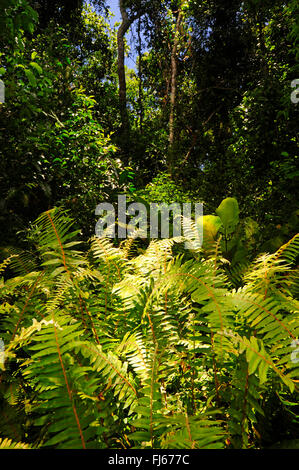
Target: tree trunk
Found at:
x=173, y=82
x=122, y=92
x=140, y=85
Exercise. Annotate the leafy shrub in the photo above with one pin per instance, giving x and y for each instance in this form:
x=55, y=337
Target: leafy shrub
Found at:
x=163, y=188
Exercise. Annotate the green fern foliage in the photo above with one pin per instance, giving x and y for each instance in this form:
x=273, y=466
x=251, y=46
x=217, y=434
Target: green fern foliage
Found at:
x=9, y=444
x=114, y=347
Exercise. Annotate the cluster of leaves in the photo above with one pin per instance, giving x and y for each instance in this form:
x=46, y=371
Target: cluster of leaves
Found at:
x=163, y=188
x=108, y=348
x=242, y=239
x=56, y=147
x=234, y=123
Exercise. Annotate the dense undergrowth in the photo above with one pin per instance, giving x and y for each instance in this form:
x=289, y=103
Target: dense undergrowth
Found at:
x=117, y=347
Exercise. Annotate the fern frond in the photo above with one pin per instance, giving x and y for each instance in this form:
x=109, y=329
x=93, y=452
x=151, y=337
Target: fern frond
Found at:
x=289, y=251
x=6, y=263
x=9, y=444
x=191, y=236
x=113, y=371
x=246, y=396
x=193, y=432
x=259, y=360
x=49, y=371
x=56, y=242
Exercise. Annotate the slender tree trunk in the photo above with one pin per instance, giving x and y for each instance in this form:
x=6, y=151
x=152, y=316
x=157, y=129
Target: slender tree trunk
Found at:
x=173, y=83
x=122, y=91
x=140, y=94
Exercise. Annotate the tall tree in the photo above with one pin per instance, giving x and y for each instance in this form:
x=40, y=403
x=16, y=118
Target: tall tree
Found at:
x=123, y=28
x=173, y=86
x=128, y=18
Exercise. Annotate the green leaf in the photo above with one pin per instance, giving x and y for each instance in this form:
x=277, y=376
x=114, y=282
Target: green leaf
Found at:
x=31, y=77
x=36, y=67
x=228, y=211
x=210, y=225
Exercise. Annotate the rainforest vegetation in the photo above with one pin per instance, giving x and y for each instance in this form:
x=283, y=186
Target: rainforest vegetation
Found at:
x=188, y=341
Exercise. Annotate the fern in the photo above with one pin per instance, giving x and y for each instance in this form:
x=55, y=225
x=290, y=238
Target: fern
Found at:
x=124, y=348
x=9, y=444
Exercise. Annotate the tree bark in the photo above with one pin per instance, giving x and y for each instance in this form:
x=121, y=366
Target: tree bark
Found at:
x=140, y=85
x=173, y=83
x=122, y=90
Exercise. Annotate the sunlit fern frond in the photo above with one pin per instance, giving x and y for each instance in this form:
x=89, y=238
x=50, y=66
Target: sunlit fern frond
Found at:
x=9, y=444
x=192, y=235
x=23, y=262
x=6, y=263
